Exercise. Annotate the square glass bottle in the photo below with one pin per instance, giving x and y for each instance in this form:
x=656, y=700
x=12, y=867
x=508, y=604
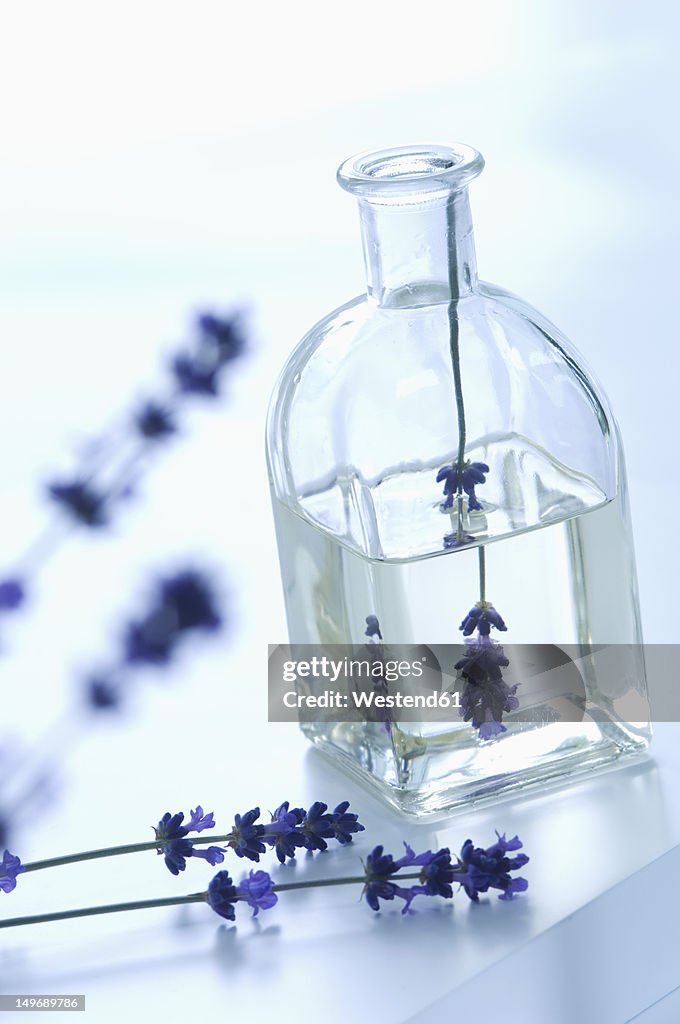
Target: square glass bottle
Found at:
x=442, y=461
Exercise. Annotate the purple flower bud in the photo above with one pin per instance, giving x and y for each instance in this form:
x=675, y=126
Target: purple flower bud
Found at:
x=257, y=891
x=222, y=895
x=80, y=501
x=481, y=870
x=12, y=594
x=10, y=867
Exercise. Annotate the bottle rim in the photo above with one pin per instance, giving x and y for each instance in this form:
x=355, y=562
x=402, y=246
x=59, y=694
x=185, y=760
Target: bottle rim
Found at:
x=402, y=171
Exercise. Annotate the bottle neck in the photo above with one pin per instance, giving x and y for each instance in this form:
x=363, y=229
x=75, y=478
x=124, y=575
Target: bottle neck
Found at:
x=418, y=253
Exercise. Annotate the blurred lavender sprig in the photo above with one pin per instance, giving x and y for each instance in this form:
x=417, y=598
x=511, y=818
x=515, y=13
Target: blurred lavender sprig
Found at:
x=111, y=467
x=180, y=605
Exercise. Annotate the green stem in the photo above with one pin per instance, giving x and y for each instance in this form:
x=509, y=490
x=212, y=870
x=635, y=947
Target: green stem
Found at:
x=454, y=342
x=482, y=574
x=108, y=851
x=110, y=908
x=353, y=880
x=170, y=901
x=114, y=851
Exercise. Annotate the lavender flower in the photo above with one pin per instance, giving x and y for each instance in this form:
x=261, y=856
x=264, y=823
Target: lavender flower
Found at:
x=177, y=848
x=457, y=540
x=373, y=627
x=194, y=376
x=154, y=421
x=471, y=475
x=217, y=342
x=225, y=334
x=381, y=868
x=102, y=693
x=80, y=501
x=222, y=895
x=212, y=854
x=246, y=838
x=284, y=834
x=344, y=825
x=486, y=696
x=482, y=870
x=12, y=594
x=317, y=827
x=291, y=830
x=199, y=822
x=376, y=655
x=190, y=598
x=257, y=891
x=151, y=639
x=482, y=618
x=183, y=602
x=10, y=867
x=476, y=870
x=438, y=874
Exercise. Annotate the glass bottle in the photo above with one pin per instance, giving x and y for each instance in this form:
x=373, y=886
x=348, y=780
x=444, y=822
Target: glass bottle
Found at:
x=436, y=447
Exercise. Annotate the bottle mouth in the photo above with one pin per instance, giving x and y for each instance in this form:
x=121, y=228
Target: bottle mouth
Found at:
x=418, y=172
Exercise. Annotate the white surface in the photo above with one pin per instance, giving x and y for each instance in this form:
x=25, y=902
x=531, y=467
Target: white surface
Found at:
x=156, y=159
x=591, y=966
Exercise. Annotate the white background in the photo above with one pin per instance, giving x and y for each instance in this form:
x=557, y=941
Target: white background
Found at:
x=159, y=158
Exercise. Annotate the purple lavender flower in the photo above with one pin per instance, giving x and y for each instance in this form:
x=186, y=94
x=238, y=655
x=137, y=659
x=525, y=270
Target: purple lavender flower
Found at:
x=196, y=375
x=12, y=594
x=175, y=853
x=481, y=870
x=457, y=540
x=482, y=618
x=10, y=867
x=212, y=854
x=476, y=870
x=490, y=727
x=225, y=334
x=222, y=895
x=373, y=627
x=102, y=693
x=257, y=890
x=380, y=870
x=317, y=827
x=177, y=848
x=153, y=422
x=151, y=639
x=486, y=696
x=482, y=661
x=438, y=873
x=472, y=474
x=290, y=830
x=284, y=834
x=184, y=602
x=344, y=824
x=199, y=822
x=190, y=598
x=246, y=838
x=80, y=501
